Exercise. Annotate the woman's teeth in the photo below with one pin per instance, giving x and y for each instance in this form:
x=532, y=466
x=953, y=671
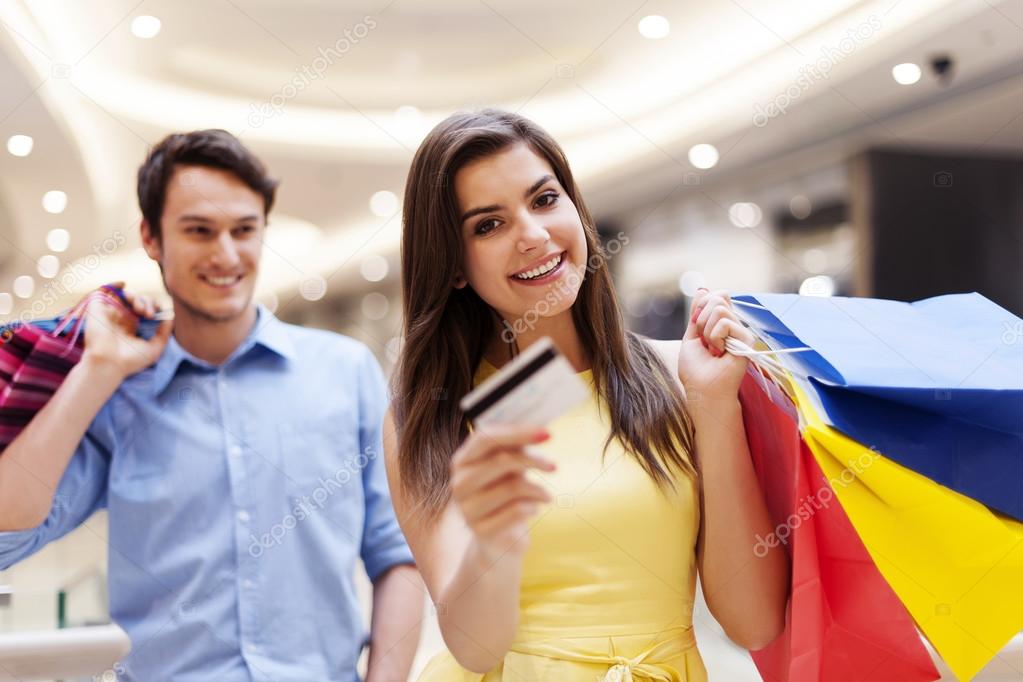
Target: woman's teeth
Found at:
x=542, y=270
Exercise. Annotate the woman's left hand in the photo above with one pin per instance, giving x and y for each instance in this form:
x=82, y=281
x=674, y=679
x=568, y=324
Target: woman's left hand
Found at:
x=705, y=369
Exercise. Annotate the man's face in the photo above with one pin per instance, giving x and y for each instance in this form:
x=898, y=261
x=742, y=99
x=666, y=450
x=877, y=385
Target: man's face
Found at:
x=211, y=241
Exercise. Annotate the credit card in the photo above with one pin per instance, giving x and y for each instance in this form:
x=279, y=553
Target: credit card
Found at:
x=534, y=389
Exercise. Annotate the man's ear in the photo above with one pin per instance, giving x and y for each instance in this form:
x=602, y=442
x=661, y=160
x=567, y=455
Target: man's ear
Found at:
x=150, y=242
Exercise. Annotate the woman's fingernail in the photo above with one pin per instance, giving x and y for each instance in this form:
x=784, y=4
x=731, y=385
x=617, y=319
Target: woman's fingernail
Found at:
x=541, y=436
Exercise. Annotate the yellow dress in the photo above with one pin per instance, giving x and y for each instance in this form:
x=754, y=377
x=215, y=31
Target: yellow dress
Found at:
x=610, y=574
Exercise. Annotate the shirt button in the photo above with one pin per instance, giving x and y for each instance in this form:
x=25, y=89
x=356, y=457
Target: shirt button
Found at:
x=243, y=516
x=234, y=450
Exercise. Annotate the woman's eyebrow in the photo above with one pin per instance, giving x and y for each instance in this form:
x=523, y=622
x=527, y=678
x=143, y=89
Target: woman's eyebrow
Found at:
x=495, y=207
x=480, y=209
x=537, y=185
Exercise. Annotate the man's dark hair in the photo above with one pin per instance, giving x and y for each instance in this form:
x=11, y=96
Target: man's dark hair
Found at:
x=210, y=148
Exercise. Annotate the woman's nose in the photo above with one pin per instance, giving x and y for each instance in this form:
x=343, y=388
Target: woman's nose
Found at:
x=532, y=234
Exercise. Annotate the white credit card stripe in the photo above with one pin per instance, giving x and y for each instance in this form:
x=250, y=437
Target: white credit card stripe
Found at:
x=548, y=394
x=502, y=383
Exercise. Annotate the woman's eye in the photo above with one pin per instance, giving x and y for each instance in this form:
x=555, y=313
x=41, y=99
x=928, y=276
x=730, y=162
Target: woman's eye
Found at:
x=547, y=199
x=486, y=226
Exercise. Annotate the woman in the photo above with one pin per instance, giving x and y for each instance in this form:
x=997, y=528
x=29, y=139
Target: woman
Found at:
x=577, y=561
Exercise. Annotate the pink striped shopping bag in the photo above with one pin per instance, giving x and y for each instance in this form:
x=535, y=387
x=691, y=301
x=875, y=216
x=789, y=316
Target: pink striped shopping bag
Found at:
x=35, y=357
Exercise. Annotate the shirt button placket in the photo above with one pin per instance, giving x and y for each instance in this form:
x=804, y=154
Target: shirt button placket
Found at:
x=247, y=617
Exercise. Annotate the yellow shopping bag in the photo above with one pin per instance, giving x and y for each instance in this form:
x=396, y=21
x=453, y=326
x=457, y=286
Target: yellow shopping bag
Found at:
x=956, y=565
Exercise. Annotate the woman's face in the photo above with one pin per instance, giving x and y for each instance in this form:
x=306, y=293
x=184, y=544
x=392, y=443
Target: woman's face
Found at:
x=525, y=249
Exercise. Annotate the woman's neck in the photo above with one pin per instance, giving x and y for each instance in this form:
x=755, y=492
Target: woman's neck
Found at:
x=562, y=331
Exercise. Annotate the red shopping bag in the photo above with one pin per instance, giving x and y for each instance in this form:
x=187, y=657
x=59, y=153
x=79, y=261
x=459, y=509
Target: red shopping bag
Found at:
x=844, y=623
x=35, y=358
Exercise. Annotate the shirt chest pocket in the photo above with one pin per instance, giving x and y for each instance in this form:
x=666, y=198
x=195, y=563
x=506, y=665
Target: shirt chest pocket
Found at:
x=320, y=462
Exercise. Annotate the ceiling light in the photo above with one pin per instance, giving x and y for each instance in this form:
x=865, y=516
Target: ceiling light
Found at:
x=24, y=286
x=54, y=201
x=374, y=268
x=48, y=266
x=57, y=240
x=703, y=156
x=145, y=26
x=745, y=214
x=654, y=27
x=800, y=206
x=19, y=145
x=818, y=285
x=906, y=74
x=690, y=282
x=375, y=306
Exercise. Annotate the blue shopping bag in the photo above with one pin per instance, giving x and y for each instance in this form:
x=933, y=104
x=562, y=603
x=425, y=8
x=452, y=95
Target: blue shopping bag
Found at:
x=936, y=385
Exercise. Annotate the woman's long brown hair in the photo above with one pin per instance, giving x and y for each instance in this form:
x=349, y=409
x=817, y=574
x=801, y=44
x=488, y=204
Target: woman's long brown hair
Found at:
x=446, y=329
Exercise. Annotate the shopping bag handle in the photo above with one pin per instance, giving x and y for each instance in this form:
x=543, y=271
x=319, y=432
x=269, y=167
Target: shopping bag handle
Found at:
x=767, y=360
x=159, y=316
x=75, y=317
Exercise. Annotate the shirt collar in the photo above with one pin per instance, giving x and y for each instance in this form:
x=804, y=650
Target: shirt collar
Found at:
x=268, y=332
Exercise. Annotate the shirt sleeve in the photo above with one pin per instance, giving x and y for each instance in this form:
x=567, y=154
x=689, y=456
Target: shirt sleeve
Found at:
x=383, y=544
x=81, y=491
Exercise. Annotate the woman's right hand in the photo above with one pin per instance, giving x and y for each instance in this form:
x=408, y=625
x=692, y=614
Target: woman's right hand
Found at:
x=490, y=486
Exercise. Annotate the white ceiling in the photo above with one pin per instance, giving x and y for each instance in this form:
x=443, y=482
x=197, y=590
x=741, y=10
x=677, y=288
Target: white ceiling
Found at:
x=94, y=97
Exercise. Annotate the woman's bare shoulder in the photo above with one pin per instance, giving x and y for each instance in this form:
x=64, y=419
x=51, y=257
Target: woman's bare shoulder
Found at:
x=668, y=350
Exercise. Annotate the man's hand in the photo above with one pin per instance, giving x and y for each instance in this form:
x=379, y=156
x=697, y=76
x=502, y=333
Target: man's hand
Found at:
x=110, y=337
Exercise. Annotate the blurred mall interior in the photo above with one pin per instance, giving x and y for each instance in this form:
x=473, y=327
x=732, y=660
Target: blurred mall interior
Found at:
x=832, y=147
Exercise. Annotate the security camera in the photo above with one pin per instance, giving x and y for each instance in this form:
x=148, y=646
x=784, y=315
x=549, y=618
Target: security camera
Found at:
x=943, y=65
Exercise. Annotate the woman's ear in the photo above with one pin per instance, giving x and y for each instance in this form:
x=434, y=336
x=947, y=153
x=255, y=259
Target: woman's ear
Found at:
x=460, y=281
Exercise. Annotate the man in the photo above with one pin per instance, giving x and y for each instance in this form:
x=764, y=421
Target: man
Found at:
x=240, y=458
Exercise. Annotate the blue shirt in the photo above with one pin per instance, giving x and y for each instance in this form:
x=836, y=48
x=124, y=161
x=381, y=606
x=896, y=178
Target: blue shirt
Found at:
x=239, y=498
